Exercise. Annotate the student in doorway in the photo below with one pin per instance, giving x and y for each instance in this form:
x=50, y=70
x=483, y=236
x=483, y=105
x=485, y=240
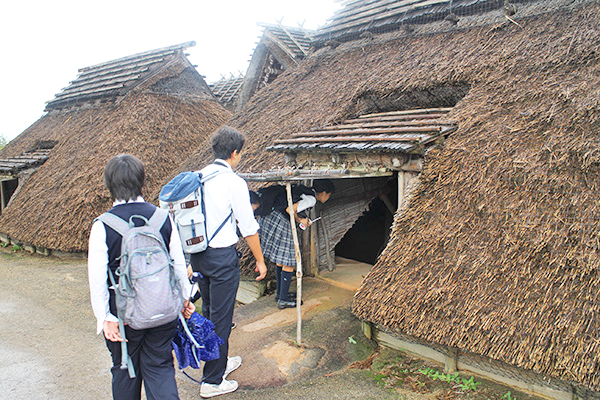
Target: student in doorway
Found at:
x=277, y=241
x=150, y=349
x=226, y=199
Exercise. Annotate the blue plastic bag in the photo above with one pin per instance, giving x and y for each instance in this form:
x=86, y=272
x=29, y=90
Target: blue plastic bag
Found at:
x=204, y=346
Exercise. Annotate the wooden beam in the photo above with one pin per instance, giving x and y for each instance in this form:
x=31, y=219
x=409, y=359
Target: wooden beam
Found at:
x=372, y=131
x=367, y=118
x=383, y=124
x=410, y=112
x=404, y=139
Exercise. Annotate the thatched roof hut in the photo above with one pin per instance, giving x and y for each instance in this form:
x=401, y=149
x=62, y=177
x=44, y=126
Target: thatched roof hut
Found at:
x=153, y=105
x=496, y=253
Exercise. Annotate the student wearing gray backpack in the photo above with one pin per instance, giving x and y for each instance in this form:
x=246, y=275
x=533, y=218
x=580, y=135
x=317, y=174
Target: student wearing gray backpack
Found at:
x=138, y=285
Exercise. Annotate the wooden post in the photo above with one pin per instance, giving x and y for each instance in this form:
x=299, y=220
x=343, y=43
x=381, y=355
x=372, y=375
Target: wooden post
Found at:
x=288, y=188
x=314, y=246
x=1, y=197
x=330, y=265
x=401, y=188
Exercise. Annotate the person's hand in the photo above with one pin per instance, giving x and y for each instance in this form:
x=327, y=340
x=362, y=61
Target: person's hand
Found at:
x=305, y=221
x=188, y=309
x=261, y=268
x=190, y=271
x=111, y=331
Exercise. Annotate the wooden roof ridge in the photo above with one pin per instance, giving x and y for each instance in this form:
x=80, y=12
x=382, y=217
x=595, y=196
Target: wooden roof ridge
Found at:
x=113, y=76
x=376, y=10
x=145, y=54
x=379, y=16
x=226, y=89
x=294, y=41
x=24, y=160
x=414, y=128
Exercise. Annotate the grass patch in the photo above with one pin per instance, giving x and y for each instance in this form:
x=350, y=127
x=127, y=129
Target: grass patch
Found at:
x=418, y=379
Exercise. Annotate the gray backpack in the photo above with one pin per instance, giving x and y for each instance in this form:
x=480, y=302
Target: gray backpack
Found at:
x=147, y=294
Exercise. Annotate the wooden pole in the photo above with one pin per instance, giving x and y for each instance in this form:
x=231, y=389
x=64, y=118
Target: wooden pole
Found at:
x=401, y=188
x=330, y=265
x=288, y=187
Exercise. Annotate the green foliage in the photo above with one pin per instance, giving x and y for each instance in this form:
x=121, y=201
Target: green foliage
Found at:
x=3, y=141
x=463, y=384
x=4, y=244
x=16, y=248
x=508, y=396
x=351, y=340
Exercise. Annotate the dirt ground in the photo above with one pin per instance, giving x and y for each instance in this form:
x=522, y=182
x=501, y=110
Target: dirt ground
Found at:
x=49, y=349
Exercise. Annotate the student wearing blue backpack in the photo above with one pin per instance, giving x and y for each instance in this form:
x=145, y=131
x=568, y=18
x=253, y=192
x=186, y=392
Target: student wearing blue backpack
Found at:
x=139, y=343
x=226, y=199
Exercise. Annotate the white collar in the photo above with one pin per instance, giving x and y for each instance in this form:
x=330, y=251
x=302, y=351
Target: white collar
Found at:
x=139, y=199
x=223, y=163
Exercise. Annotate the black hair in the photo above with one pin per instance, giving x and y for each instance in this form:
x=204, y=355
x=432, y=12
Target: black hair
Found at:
x=124, y=177
x=323, y=185
x=225, y=141
x=254, y=198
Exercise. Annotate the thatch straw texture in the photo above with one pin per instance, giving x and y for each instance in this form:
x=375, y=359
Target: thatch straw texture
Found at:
x=497, y=252
x=57, y=204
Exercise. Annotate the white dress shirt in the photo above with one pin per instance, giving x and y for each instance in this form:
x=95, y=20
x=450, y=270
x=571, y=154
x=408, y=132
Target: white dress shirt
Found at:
x=306, y=201
x=98, y=268
x=223, y=193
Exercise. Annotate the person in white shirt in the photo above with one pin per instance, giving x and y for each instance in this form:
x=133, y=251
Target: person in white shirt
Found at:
x=150, y=349
x=226, y=200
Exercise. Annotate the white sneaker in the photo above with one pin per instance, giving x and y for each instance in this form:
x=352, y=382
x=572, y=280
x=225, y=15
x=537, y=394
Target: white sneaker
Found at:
x=233, y=363
x=211, y=390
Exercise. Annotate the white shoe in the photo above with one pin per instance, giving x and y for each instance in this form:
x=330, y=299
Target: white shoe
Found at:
x=210, y=390
x=233, y=363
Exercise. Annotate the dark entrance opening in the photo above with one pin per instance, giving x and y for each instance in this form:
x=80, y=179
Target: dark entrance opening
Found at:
x=369, y=235
x=8, y=189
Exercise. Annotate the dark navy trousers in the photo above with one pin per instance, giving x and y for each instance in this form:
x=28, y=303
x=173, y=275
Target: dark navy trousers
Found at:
x=151, y=353
x=220, y=269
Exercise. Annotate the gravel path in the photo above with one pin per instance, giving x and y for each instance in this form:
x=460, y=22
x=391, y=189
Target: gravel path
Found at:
x=49, y=349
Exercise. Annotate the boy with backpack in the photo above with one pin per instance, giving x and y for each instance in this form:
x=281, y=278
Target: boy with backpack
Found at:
x=138, y=285
x=227, y=205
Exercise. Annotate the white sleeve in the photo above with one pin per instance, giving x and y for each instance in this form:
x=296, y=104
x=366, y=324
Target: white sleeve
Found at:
x=176, y=252
x=306, y=201
x=242, y=209
x=98, y=275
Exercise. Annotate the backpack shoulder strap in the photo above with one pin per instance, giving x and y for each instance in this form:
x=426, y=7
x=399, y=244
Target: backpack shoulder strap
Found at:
x=218, y=171
x=158, y=219
x=116, y=223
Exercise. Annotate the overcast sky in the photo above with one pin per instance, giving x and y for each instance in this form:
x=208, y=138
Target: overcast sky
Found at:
x=43, y=43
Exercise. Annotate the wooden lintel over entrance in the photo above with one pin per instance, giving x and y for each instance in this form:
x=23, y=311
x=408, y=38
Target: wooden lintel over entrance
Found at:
x=285, y=175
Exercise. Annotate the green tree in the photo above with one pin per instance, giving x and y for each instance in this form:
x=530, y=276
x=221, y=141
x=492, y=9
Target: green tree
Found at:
x=3, y=141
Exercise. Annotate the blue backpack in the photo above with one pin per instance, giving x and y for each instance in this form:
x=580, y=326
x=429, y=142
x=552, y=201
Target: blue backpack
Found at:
x=183, y=197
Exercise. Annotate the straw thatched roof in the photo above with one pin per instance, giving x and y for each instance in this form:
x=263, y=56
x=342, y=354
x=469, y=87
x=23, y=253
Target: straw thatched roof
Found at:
x=497, y=252
x=158, y=118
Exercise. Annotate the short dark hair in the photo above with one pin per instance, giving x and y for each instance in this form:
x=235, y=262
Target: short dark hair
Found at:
x=124, y=177
x=254, y=198
x=323, y=185
x=225, y=140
